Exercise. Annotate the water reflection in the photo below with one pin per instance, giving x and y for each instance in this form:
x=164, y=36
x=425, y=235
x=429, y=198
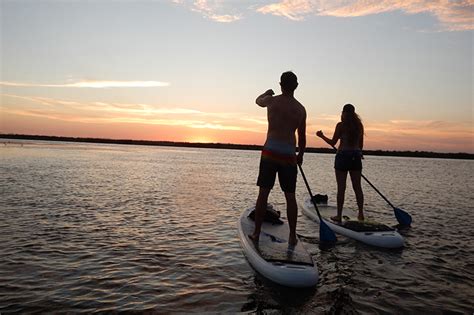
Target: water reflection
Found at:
x=270, y=296
x=101, y=228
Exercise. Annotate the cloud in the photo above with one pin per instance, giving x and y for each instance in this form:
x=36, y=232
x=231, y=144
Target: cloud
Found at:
x=295, y=10
x=207, y=125
x=429, y=135
x=324, y=122
x=452, y=15
x=143, y=109
x=111, y=112
x=215, y=10
x=91, y=84
x=436, y=128
x=256, y=120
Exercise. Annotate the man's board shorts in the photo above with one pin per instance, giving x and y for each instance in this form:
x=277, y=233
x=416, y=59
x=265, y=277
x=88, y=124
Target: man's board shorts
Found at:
x=348, y=160
x=278, y=158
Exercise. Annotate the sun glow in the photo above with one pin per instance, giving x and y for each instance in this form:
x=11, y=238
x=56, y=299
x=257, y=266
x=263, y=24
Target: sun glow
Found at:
x=200, y=139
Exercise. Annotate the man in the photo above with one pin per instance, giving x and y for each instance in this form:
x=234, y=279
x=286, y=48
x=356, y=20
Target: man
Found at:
x=285, y=116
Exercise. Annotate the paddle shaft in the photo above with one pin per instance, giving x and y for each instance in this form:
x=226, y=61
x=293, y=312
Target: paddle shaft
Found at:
x=310, y=193
x=326, y=235
x=375, y=188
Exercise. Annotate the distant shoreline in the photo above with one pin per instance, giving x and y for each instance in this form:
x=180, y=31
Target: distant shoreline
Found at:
x=427, y=154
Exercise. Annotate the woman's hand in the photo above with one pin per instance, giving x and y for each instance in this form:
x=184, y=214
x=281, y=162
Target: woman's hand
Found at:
x=320, y=133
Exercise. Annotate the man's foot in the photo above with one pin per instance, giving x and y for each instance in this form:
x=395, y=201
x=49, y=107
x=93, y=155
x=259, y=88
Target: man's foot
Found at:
x=292, y=240
x=361, y=217
x=336, y=219
x=254, y=238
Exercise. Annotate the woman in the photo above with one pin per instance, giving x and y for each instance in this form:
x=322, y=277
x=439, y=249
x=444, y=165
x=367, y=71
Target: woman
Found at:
x=350, y=132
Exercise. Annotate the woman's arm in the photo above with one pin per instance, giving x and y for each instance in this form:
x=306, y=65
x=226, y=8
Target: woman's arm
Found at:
x=335, y=137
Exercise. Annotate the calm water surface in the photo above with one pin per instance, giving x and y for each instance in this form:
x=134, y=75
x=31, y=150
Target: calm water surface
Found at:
x=94, y=227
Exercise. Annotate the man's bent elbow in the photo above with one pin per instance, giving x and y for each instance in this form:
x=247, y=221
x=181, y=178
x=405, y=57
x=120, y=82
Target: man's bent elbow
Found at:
x=259, y=102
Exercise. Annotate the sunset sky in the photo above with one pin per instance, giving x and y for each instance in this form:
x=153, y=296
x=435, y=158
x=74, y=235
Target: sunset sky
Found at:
x=184, y=70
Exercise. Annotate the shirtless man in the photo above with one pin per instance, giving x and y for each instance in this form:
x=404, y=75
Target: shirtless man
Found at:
x=285, y=116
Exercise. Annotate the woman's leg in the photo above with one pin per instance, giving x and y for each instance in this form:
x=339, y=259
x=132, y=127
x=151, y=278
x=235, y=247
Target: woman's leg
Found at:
x=341, y=177
x=355, y=178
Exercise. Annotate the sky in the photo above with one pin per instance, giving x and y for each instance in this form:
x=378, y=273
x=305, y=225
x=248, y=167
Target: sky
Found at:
x=190, y=70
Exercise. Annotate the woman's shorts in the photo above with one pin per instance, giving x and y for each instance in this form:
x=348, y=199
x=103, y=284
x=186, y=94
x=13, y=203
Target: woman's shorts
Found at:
x=348, y=160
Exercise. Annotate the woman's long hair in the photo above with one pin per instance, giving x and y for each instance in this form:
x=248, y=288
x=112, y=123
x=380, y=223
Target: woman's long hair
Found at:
x=352, y=127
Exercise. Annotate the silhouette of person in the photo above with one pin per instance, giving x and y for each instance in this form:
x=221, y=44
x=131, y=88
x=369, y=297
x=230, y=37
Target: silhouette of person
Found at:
x=350, y=132
x=285, y=116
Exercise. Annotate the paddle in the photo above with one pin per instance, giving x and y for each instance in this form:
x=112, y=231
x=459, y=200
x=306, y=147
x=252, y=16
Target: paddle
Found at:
x=326, y=235
x=403, y=217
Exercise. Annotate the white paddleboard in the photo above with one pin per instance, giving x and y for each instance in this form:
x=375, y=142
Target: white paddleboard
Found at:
x=274, y=259
x=368, y=232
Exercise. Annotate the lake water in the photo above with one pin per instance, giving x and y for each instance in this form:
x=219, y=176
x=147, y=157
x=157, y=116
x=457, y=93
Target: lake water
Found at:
x=96, y=227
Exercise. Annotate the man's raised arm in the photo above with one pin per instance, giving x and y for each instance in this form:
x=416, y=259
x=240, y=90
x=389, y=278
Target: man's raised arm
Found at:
x=265, y=99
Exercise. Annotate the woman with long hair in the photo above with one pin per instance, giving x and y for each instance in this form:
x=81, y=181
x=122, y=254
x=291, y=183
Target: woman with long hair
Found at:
x=350, y=134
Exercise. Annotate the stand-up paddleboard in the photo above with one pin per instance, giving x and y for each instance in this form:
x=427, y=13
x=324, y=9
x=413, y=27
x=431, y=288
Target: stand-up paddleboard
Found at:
x=273, y=258
x=371, y=233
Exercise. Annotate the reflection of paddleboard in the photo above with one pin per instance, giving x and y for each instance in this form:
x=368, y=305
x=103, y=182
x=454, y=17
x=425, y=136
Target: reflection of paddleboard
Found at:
x=368, y=232
x=273, y=258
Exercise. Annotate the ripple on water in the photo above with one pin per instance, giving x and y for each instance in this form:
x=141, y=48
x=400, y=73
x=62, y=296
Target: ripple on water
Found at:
x=103, y=228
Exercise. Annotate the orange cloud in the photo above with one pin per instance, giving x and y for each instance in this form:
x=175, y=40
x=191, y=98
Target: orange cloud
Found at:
x=294, y=10
x=102, y=112
x=209, y=9
x=453, y=16
x=413, y=135
x=437, y=136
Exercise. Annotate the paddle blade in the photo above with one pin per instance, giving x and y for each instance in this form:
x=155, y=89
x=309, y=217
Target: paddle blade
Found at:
x=402, y=217
x=326, y=235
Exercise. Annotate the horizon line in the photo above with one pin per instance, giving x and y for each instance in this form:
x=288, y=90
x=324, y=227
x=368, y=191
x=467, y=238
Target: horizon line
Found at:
x=407, y=153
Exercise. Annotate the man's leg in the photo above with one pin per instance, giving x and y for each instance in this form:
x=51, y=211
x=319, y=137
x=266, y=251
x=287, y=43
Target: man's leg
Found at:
x=260, y=209
x=292, y=215
x=287, y=176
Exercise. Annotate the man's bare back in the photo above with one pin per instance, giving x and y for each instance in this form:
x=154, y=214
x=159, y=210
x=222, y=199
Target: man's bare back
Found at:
x=285, y=114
